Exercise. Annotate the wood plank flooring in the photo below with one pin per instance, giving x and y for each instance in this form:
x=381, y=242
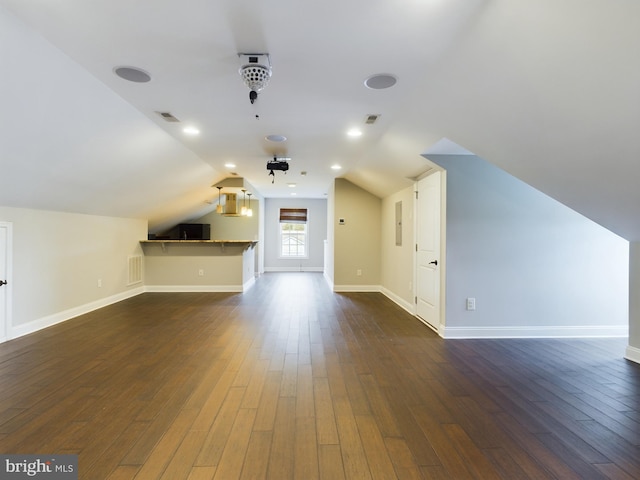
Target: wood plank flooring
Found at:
x=292, y=381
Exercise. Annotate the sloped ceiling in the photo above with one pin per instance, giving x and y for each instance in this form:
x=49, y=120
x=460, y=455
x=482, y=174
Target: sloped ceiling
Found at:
x=548, y=91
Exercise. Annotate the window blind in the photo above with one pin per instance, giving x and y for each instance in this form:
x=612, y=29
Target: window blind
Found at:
x=293, y=215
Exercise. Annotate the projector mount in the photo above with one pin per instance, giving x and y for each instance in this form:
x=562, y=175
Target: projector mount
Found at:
x=278, y=163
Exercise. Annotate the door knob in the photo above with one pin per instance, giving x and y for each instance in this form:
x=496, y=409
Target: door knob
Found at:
x=435, y=262
x=3, y=282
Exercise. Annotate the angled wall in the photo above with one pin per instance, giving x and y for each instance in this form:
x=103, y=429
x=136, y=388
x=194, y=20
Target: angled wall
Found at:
x=67, y=264
x=534, y=266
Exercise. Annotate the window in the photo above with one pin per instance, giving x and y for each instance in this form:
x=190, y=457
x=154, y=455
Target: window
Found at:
x=293, y=232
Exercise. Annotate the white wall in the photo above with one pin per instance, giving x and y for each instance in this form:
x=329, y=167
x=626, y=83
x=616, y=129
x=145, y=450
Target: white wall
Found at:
x=398, y=260
x=58, y=259
x=535, y=267
x=317, y=230
x=357, y=245
x=329, y=253
x=233, y=227
x=240, y=228
x=633, y=350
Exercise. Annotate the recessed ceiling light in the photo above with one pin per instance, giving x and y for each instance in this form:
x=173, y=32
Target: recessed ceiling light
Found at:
x=275, y=138
x=291, y=185
x=354, y=132
x=191, y=130
x=380, y=81
x=336, y=167
x=230, y=165
x=133, y=74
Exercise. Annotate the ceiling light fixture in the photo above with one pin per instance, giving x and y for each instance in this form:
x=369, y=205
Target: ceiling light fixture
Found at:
x=230, y=165
x=354, y=133
x=255, y=70
x=219, y=206
x=191, y=131
x=335, y=167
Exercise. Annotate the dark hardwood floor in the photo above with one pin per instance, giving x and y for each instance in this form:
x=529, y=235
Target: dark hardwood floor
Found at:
x=292, y=381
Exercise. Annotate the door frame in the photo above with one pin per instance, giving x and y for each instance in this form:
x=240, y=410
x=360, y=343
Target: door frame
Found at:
x=442, y=261
x=5, y=328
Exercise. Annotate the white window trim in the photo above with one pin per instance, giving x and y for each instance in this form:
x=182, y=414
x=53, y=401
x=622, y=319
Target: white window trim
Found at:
x=279, y=240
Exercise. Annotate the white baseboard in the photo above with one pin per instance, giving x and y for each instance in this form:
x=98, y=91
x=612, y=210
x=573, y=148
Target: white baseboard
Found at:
x=328, y=280
x=195, y=288
x=294, y=269
x=65, y=315
x=590, y=331
x=401, y=302
x=248, y=284
x=357, y=288
x=632, y=353
x=428, y=325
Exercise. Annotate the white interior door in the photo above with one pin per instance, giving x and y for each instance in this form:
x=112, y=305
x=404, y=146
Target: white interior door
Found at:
x=4, y=277
x=428, y=249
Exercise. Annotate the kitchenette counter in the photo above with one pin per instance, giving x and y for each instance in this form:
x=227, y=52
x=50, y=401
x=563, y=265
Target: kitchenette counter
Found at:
x=199, y=265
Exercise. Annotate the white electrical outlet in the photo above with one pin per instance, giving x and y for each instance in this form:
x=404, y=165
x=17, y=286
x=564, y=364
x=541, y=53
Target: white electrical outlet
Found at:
x=99, y=283
x=471, y=303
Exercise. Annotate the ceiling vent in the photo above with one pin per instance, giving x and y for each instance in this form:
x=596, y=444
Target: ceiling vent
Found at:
x=168, y=117
x=371, y=119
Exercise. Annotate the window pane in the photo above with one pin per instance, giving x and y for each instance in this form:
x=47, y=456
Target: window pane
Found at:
x=293, y=239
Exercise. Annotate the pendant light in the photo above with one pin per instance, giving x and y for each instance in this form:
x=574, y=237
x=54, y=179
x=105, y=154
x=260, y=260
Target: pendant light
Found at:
x=219, y=206
x=249, y=210
x=243, y=210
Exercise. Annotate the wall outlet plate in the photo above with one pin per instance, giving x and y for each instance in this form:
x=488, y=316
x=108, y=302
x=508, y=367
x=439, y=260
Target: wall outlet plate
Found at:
x=471, y=303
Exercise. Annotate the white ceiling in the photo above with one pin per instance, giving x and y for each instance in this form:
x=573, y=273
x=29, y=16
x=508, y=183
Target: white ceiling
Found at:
x=547, y=90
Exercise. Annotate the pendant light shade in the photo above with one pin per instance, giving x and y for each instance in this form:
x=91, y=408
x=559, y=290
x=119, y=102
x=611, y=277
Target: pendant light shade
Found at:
x=219, y=206
x=243, y=210
x=249, y=210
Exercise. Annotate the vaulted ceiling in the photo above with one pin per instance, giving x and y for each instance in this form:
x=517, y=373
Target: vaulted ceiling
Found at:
x=549, y=91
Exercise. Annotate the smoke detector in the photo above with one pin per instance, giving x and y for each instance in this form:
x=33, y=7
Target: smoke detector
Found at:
x=255, y=70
